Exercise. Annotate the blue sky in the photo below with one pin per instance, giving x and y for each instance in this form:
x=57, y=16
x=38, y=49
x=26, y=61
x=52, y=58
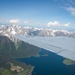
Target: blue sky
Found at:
x=56, y=14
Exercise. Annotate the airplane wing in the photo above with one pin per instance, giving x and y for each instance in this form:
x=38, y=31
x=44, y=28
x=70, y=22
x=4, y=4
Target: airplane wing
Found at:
x=62, y=46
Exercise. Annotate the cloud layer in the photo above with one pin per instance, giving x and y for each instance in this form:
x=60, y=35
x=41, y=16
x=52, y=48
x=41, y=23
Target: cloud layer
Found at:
x=14, y=21
x=56, y=23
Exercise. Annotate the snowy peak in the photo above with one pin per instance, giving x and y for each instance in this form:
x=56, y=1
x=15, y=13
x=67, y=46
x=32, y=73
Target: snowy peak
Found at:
x=14, y=29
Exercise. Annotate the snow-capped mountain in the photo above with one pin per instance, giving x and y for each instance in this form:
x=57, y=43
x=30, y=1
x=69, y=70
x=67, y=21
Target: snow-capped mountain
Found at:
x=13, y=29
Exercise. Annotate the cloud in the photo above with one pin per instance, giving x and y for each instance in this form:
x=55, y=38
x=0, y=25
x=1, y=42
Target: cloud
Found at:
x=57, y=24
x=68, y=5
x=67, y=24
x=71, y=10
x=14, y=21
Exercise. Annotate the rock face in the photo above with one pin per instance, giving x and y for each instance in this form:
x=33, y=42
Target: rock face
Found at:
x=13, y=29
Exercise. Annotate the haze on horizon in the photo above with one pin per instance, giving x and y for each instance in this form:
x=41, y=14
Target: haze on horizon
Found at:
x=56, y=14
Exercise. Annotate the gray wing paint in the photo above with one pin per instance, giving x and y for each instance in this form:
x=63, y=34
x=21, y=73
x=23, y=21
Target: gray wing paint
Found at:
x=62, y=46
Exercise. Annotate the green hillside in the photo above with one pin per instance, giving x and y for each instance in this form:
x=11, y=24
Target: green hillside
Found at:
x=9, y=51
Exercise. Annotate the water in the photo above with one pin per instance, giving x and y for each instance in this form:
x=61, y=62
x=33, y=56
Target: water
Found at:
x=49, y=65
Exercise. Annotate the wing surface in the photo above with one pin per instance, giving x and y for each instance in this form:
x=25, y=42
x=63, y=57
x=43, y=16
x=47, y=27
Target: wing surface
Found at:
x=62, y=46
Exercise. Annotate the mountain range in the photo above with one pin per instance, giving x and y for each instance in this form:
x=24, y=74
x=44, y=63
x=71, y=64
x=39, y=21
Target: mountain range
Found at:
x=13, y=29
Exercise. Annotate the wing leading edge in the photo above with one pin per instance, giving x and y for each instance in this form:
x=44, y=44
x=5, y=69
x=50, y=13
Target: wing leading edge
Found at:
x=62, y=46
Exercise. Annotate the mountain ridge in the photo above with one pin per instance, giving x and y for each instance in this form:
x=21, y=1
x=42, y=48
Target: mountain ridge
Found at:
x=13, y=29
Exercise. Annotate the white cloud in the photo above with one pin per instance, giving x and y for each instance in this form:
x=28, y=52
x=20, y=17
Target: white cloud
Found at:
x=71, y=10
x=67, y=24
x=68, y=5
x=15, y=21
x=56, y=23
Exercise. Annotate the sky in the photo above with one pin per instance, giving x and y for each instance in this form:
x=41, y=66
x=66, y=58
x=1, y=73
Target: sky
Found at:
x=56, y=14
